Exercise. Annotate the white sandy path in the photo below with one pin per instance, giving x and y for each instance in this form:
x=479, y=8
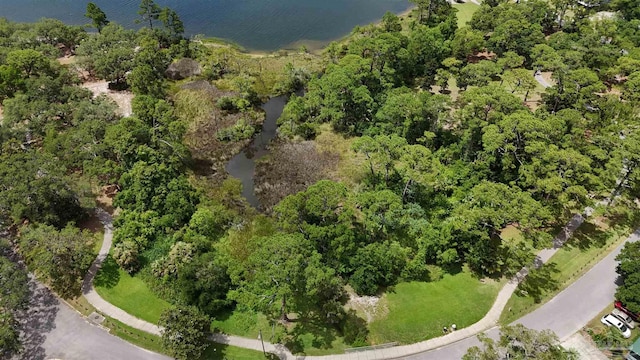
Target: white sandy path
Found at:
x=121, y=98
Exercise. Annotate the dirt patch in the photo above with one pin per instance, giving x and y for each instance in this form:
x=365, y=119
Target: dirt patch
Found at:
x=601, y=222
x=105, y=197
x=291, y=167
x=121, y=98
x=368, y=307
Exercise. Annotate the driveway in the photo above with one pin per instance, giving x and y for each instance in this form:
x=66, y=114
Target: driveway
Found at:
x=565, y=314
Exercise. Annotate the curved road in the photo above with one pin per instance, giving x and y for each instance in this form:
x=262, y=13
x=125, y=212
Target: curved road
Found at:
x=565, y=314
x=53, y=330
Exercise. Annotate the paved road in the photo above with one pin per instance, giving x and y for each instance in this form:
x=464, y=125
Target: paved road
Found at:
x=581, y=301
x=565, y=314
x=541, y=81
x=55, y=331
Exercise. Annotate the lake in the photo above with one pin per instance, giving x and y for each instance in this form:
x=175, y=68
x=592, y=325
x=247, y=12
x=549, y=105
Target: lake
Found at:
x=253, y=24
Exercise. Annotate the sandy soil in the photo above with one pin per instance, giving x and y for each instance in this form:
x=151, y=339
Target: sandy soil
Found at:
x=367, y=306
x=121, y=98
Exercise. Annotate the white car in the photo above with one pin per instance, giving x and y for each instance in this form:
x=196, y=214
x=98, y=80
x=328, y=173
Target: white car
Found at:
x=611, y=320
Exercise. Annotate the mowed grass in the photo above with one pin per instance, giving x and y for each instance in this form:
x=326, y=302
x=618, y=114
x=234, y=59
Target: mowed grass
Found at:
x=310, y=339
x=588, y=245
x=418, y=311
x=154, y=343
x=129, y=293
x=465, y=12
x=242, y=323
x=221, y=351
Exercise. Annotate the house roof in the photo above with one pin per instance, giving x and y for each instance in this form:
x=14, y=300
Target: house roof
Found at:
x=635, y=347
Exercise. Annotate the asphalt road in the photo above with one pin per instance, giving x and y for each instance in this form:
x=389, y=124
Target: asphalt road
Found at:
x=55, y=331
x=565, y=314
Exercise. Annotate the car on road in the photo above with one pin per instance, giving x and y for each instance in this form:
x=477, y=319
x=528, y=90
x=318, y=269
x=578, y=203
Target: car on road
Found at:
x=610, y=320
x=626, y=319
x=619, y=305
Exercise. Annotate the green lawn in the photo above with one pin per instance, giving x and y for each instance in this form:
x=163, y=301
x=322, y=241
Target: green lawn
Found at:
x=221, y=351
x=588, y=245
x=465, y=12
x=242, y=323
x=128, y=293
x=154, y=343
x=418, y=311
x=133, y=335
x=308, y=339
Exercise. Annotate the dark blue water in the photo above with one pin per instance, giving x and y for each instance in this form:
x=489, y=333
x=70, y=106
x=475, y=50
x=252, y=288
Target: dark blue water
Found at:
x=254, y=24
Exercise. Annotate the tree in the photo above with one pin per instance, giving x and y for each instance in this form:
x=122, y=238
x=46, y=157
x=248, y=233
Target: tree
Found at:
x=109, y=54
x=149, y=11
x=391, y=22
x=9, y=335
x=377, y=264
x=14, y=288
x=514, y=32
x=479, y=218
x=14, y=295
x=381, y=153
x=519, y=343
x=33, y=186
x=30, y=62
x=521, y=81
x=630, y=9
x=344, y=95
x=61, y=257
x=631, y=90
x=97, y=16
x=322, y=214
x=283, y=274
x=172, y=24
x=185, y=332
x=478, y=74
x=466, y=42
x=629, y=270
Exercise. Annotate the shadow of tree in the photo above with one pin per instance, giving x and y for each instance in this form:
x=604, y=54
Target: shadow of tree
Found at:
x=587, y=236
x=108, y=275
x=321, y=335
x=37, y=321
x=539, y=281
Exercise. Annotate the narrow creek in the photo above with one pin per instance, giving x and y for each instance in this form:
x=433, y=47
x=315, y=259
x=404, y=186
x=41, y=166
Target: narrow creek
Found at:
x=243, y=165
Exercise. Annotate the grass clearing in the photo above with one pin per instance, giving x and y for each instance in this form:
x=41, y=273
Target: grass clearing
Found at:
x=351, y=168
x=588, y=245
x=465, y=12
x=418, y=311
x=128, y=292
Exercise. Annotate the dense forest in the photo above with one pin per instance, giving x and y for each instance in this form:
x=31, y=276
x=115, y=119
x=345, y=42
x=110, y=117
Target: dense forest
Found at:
x=445, y=150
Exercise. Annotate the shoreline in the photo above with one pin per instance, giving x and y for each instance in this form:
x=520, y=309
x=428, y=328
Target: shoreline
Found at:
x=296, y=45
